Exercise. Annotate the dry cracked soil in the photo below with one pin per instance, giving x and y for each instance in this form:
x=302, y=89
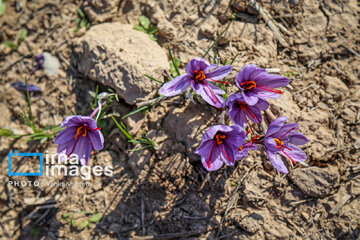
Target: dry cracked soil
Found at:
x=166, y=193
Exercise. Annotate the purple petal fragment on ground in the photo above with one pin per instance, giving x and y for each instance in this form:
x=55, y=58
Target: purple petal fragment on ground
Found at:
x=21, y=86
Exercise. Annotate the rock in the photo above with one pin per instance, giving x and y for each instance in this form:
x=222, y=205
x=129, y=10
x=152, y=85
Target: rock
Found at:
x=314, y=181
x=118, y=56
x=100, y=10
x=186, y=125
x=51, y=64
x=252, y=223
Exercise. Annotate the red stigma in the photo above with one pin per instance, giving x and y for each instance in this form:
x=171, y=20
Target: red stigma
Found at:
x=280, y=145
x=252, y=84
x=219, y=140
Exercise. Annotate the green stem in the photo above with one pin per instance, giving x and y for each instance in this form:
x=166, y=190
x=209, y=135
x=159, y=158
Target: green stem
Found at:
x=173, y=62
x=29, y=103
x=206, y=53
x=127, y=134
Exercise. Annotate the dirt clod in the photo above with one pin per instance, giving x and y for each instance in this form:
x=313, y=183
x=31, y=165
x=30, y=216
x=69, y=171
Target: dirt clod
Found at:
x=314, y=181
x=116, y=55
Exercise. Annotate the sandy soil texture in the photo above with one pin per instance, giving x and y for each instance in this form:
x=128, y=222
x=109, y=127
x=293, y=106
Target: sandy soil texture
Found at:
x=166, y=193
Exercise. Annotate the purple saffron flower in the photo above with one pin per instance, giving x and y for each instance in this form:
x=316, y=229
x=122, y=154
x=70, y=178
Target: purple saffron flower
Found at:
x=198, y=74
x=255, y=83
x=282, y=138
x=219, y=145
x=80, y=137
x=240, y=111
x=21, y=86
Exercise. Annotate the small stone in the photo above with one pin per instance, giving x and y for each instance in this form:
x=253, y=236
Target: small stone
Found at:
x=314, y=181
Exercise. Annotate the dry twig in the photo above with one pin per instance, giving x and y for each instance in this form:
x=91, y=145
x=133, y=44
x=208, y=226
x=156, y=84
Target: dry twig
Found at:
x=270, y=22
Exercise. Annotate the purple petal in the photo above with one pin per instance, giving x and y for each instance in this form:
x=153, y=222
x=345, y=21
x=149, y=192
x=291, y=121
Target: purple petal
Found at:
x=277, y=162
x=237, y=115
x=227, y=154
x=220, y=72
x=247, y=72
x=286, y=130
x=21, y=86
x=210, y=67
x=262, y=104
x=234, y=97
x=250, y=98
x=215, y=164
x=217, y=90
x=97, y=139
x=275, y=125
x=205, y=151
x=298, y=139
x=271, y=80
x=208, y=96
x=211, y=132
x=236, y=137
x=264, y=94
x=295, y=153
x=176, y=86
x=66, y=135
x=66, y=147
x=196, y=64
x=71, y=121
x=89, y=121
x=245, y=151
x=83, y=150
x=270, y=144
x=254, y=114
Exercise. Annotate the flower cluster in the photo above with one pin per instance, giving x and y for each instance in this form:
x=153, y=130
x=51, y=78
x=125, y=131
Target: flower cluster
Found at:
x=227, y=144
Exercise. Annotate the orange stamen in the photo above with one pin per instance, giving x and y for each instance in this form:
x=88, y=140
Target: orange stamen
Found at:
x=248, y=85
x=79, y=131
x=280, y=144
x=220, y=138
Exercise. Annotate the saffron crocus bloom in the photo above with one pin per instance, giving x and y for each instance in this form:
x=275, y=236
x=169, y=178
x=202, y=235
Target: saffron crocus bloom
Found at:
x=240, y=111
x=80, y=137
x=219, y=145
x=282, y=138
x=255, y=83
x=199, y=74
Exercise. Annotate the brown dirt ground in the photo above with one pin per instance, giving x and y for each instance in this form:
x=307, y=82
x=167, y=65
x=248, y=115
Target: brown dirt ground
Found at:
x=169, y=194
